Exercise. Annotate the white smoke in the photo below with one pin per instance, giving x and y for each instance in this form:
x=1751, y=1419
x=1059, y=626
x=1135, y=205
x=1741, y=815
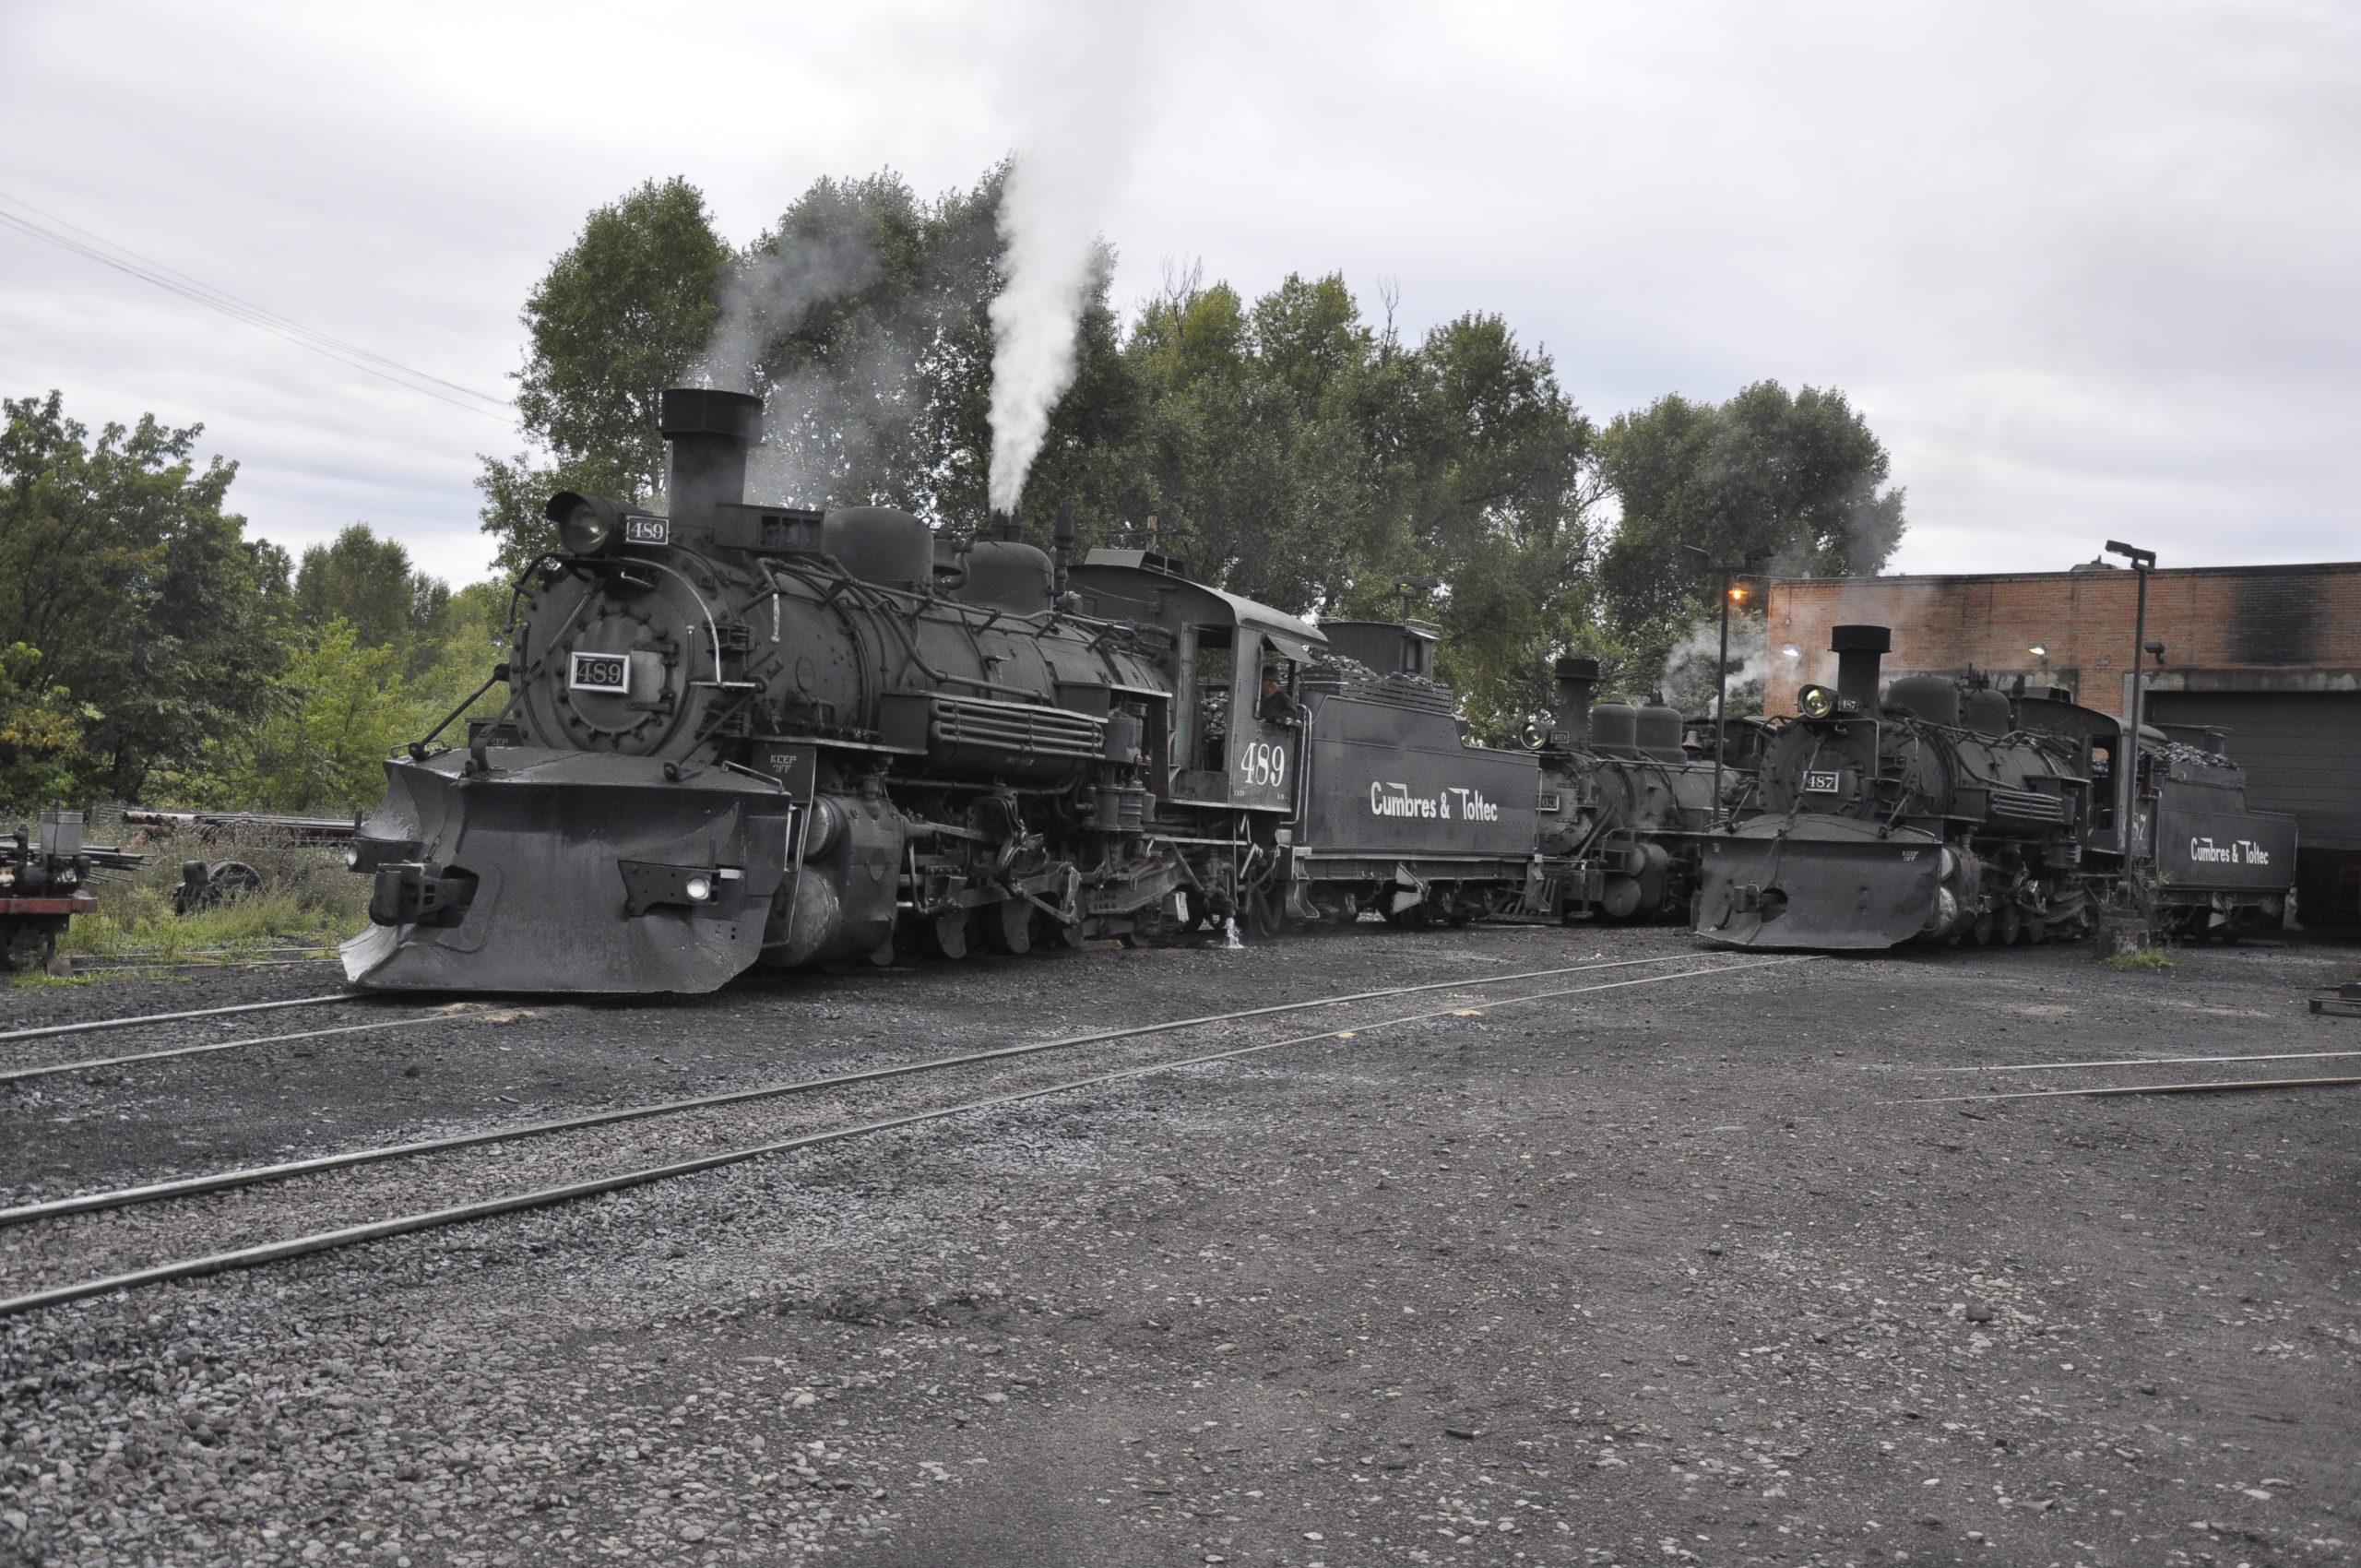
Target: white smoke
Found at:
x=1688, y=681
x=766, y=296
x=823, y=430
x=1080, y=105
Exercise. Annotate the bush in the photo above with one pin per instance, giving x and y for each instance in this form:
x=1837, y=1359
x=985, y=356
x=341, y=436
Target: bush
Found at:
x=307, y=896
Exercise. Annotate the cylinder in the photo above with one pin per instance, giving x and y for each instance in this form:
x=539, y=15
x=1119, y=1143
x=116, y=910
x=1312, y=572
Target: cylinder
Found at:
x=1859, y=650
x=711, y=432
x=1577, y=678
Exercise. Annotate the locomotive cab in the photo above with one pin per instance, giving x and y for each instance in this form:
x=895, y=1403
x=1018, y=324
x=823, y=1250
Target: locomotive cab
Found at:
x=1228, y=743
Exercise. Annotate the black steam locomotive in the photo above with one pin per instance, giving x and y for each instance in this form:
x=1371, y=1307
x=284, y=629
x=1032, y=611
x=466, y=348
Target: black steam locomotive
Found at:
x=1939, y=811
x=740, y=734
x=1627, y=797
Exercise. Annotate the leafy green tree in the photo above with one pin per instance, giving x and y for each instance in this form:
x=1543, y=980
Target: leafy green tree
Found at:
x=343, y=706
x=622, y=313
x=151, y=612
x=41, y=734
x=1225, y=456
x=1484, y=471
x=1800, y=476
x=1291, y=452
x=367, y=583
x=473, y=636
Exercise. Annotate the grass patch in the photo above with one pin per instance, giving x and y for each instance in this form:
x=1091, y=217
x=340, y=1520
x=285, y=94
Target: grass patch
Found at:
x=2144, y=958
x=35, y=980
x=307, y=898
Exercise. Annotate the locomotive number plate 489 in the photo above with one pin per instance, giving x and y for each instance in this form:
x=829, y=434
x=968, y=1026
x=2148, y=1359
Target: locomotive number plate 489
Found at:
x=648, y=530
x=600, y=672
x=1821, y=781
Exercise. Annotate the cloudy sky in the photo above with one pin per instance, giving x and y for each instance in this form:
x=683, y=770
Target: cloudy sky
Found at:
x=2091, y=269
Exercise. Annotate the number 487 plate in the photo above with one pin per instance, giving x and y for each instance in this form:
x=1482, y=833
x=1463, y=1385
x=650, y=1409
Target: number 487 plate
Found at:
x=1821, y=781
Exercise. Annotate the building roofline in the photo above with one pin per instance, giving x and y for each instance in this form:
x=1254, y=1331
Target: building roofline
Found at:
x=2109, y=574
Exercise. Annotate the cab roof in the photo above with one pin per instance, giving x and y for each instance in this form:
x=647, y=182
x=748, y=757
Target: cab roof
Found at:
x=1141, y=579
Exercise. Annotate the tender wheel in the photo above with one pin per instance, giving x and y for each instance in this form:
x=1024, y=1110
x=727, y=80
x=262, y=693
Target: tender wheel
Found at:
x=2037, y=930
x=1337, y=909
x=2011, y=926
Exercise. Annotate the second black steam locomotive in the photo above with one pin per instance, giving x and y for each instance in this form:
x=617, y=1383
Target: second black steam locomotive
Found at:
x=1935, y=810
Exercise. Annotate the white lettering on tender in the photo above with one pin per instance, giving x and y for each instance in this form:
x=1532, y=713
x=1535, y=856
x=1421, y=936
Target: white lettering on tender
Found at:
x=1395, y=800
x=2238, y=852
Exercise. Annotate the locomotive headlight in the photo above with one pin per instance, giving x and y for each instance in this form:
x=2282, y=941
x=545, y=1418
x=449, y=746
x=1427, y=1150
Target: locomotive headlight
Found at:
x=699, y=889
x=585, y=532
x=1815, y=702
x=585, y=524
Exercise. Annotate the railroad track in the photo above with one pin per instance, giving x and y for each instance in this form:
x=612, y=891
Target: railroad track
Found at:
x=366, y=1195
x=453, y=1012
x=137, y=1020
x=141, y=962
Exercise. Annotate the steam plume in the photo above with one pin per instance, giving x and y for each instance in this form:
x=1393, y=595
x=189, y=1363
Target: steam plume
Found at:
x=1080, y=111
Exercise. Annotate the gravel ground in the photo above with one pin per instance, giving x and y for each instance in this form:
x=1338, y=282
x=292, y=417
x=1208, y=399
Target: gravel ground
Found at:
x=1651, y=1275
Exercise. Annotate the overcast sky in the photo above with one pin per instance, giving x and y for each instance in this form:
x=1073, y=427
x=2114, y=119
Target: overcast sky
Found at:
x=2091, y=270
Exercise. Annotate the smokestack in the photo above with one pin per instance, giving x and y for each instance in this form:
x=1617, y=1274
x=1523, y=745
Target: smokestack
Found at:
x=711, y=432
x=1859, y=650
x=1064, y=542
x=1576, y=679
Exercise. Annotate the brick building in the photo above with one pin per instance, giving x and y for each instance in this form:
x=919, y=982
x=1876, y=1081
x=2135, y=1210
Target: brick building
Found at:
x=2272, y=654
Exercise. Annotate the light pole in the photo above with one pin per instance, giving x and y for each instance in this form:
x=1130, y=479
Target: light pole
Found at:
x=2143, y=563
x=1729, y=591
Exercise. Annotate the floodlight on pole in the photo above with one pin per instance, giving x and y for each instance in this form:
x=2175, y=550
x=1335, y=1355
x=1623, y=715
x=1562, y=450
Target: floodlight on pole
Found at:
x=1731, y=590
x=2126, y=761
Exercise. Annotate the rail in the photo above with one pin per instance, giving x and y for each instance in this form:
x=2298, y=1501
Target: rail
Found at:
x=355, y=1235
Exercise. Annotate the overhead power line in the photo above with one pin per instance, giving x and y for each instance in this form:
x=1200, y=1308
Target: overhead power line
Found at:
x=58, y=231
